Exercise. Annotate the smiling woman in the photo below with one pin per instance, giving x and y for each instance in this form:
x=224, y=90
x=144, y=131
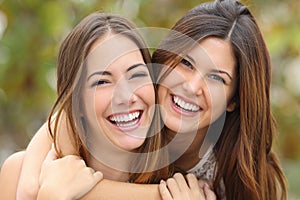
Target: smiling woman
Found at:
x=106, y=103
x=213, y=79
x=220, y=55
x=119, y=93
x=195, y=93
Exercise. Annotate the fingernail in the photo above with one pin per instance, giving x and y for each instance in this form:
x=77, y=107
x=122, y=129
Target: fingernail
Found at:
x=162, y=182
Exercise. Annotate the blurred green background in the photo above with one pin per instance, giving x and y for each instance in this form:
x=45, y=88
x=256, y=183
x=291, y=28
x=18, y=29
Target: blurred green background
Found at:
x=32, y=30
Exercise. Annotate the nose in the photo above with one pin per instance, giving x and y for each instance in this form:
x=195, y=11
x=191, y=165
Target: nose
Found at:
x=124, y=94
x=194, y=85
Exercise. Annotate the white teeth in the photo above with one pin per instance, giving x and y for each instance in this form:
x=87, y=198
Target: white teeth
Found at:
x=125, y=117
x=185, y=105
x=127, y=123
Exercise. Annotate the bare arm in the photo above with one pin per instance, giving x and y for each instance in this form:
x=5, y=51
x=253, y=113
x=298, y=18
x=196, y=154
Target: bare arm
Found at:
x=107, y=189
x=9, y=175
x=36, y=152
x=32, y=163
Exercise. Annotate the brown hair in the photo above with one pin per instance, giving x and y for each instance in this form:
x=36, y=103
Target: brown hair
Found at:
x=245, y=161
x=71, y=61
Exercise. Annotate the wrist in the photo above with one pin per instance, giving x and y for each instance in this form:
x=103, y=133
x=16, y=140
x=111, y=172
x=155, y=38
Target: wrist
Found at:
x=49, y=193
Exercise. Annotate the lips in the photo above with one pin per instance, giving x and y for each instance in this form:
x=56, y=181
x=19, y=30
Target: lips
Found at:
x=126, y=121
x=190, y=107
x=184, y=107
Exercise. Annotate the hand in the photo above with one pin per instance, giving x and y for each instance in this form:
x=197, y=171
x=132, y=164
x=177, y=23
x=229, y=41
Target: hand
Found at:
x=66, y=178
x=208, y=193
x=178, y=189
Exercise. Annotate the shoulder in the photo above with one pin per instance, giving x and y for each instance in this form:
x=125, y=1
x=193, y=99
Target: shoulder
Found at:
x=13, y=162
x=206, y=167
x=9, y=175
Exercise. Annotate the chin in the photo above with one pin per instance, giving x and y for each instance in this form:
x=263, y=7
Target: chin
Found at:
x=132, y=145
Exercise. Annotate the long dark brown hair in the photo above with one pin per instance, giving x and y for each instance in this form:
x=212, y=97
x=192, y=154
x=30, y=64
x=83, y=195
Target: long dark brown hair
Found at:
x=245, y=160
x=71, y=60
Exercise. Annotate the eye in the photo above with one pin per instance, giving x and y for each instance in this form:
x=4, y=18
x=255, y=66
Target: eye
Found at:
x=139, y=75
x=187, y=64
x=216, y=78
x=100, y=82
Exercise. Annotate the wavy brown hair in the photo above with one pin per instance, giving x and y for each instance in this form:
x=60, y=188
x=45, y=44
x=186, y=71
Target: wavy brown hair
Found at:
x=245, y=160
x=71, y=62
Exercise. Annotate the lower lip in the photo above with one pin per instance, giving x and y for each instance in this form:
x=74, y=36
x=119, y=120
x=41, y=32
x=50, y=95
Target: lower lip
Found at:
x=181, y=111
x=128, y=128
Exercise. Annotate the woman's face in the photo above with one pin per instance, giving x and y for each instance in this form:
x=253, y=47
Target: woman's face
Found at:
x=200, y=87
x=118, y=94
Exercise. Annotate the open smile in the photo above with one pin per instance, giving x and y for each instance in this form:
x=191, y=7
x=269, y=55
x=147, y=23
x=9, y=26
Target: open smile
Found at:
x=126, y=121
x=183, y=107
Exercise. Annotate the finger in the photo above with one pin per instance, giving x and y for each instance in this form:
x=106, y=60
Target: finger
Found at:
x=193, y=182
x=77, y=159
x=209, y=194
x=74, y=157
x=201, y=184
x=92, y=171
x=98, y=176
x=181, y=182
x=89, y=170
x=89, y=181
x=164, y=192
x=173, y=187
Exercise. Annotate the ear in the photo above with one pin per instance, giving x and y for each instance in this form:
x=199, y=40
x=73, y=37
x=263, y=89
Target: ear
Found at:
x=231, y=106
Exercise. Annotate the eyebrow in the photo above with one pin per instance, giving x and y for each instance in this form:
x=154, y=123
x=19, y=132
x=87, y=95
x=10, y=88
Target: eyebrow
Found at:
x=135, y=66
x=110, y=74
x=222, y=72
x=191, y=59
x=214, y=70
x=99, y=73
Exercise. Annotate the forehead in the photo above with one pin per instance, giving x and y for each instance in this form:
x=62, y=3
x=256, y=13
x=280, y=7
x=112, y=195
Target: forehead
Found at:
x=214, y=52
x=109, y=49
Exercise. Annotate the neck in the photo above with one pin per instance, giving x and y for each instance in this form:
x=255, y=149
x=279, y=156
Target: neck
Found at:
x=192, y=140
x=112, y=161
x=109, y=172
x=185, y=148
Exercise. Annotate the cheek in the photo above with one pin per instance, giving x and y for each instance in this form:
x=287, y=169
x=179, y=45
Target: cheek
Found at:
x=101, y=102
x=174, y=78
x=217, y=100
x=88, y=103
x=161, y=93
x=146, y=94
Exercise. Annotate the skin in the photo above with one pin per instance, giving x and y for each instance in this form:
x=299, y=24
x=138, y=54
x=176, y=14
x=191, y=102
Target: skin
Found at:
x=201, y=88
x=116, y=93
x=71, y=185
x=104, y=97
x=9, y=175
x=118, y=90
x=204, y=80
x=246, y=163
x=208, y=83
x=180, y=187
x=197, y=90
